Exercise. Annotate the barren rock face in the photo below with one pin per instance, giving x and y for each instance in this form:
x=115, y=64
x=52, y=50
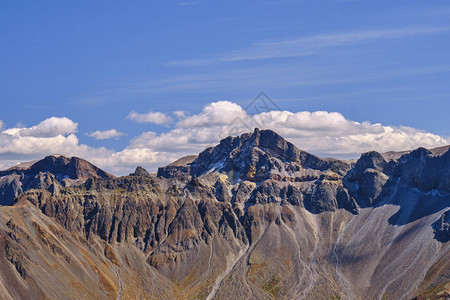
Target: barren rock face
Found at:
x=442, y=227
x=252, y=218
x=367, y=178
x=10, y=188
x=423, y=170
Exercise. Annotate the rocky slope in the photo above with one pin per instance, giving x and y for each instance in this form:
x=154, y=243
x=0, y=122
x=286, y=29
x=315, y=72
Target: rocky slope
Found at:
x=251, y=218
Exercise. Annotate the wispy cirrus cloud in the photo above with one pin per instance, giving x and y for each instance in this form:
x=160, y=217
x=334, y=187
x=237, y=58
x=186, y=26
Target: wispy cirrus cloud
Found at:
x=279, y=75
x=309, y=45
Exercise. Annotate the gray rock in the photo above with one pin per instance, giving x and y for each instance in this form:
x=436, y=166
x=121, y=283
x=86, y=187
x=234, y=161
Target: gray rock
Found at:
x=442, y=228
x=140, y=171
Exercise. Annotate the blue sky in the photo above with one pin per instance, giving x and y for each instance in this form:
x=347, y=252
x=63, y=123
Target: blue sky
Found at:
x=95, y=62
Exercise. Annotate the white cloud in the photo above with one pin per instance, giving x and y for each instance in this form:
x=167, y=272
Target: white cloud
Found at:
x=51, y=136
x=180, y=140
x=350, y=138
x=216, y=113
x=157, y=118
x=321, y=132
x=180, y=114
x=1, y=125
x=318, y=123
x=106, y=134
x=51, y=127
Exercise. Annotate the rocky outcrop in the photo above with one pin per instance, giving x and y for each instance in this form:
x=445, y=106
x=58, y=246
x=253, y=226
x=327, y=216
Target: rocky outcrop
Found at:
x=140, y=171
x=365, y=181
x=10, y=188
x=180, y=167
x=442, y=228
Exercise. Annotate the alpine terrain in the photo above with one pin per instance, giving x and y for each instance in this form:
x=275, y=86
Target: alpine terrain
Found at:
x=254, y=217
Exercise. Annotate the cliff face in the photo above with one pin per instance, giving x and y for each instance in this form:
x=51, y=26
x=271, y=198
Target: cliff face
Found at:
x=253, y=217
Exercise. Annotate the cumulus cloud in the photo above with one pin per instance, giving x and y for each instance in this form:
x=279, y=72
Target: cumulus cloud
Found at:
x=157, y=118
x=106, y=134
x=51, y=136
x=213, y=114
x=51, y=127
x=320, y=132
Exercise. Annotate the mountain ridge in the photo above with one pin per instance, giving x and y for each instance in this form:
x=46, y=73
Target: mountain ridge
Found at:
x=251, y=218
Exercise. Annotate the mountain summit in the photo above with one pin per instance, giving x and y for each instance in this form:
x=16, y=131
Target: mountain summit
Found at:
x=65, y=170
x=256, y=157
x=252, y=218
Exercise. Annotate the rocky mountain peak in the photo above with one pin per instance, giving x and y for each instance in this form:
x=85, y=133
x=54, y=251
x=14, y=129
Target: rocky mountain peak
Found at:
x=255, y=156
x=370, y=160
x=68, y=167
x=418, y=153
x=271, y=141
x=49, y=172
x=424, y=170
x=240, y=156
x=62, y=167
x=266, y=140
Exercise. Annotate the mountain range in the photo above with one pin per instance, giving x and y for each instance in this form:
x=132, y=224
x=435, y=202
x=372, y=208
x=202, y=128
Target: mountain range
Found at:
x=253, y=217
